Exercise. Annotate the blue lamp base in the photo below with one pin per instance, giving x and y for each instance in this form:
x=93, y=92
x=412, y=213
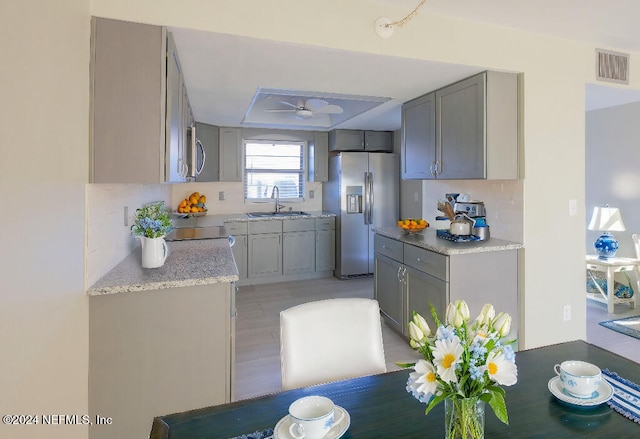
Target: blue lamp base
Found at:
x=606, y=246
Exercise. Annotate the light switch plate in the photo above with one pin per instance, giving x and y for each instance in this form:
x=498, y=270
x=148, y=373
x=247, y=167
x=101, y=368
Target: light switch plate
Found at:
x=222, y=196
x=312, y=194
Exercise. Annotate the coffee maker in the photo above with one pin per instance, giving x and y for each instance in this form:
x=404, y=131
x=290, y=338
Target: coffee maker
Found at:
x=475, y=211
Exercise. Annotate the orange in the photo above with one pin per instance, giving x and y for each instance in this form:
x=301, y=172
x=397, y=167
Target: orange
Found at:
x=203, y=199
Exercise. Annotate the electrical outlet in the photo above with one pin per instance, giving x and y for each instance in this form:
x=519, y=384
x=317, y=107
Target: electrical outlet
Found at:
x=222, y=196
x=126, y=216
x=312, y=194
x=566, y=313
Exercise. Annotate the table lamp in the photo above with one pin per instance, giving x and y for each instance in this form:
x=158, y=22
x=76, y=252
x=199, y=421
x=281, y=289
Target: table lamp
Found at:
x=606, y=220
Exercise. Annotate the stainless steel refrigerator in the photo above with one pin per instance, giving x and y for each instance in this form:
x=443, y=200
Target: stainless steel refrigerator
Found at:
x=363, y=192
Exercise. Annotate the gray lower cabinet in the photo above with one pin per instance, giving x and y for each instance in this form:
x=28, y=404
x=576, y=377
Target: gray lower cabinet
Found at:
x=422, y=292
x=176, y=358
x=325, y=244
x=410, y=278
x=406, y=281
x=265, y=249
x=298, y=238
x=296, y=255
x=389, y=290
x=268, y=250
x=239, y=230
x=265, y=255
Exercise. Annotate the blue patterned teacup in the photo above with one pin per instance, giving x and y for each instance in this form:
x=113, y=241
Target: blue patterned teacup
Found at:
x=312, y=417
x=579, y=378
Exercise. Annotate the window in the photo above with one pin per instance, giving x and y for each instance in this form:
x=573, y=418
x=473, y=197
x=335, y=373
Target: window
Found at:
x=268, y=164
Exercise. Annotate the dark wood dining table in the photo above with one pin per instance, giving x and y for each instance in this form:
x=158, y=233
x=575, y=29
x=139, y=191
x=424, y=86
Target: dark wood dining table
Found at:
x=380, y=407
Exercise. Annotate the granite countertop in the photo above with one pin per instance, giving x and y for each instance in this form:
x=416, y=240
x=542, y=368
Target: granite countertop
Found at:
x=190, y=263
x=427, y=239
x=281, y=216
x=220, y=219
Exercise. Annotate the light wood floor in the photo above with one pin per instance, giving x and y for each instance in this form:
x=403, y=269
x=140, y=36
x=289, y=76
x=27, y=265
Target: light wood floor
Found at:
x=258, y=329
x=258, y=334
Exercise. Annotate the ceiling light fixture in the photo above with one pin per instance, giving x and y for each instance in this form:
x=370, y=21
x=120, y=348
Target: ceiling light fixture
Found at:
x=384, y=26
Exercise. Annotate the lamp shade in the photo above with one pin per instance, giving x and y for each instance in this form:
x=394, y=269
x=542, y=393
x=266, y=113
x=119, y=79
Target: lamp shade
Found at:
x=606, y=219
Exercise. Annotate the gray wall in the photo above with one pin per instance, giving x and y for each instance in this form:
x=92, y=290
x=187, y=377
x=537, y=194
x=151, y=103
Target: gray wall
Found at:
x=612, y=169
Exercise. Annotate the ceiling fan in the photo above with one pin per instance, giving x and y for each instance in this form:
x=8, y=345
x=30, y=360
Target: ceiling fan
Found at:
x=306, y=109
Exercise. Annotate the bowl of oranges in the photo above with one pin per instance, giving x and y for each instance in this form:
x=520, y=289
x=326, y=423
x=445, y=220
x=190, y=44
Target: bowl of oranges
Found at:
x=193, y=205
x=413, y=225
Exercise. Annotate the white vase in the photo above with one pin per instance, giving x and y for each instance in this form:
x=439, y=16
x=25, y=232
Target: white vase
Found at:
x=154, y=252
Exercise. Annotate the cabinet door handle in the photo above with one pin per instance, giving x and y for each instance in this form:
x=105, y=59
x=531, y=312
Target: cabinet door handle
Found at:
x=432, y=168
x=438, y=167
x=400, y=274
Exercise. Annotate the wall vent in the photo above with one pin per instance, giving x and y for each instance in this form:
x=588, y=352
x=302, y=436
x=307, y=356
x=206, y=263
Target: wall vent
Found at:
x=612, y=66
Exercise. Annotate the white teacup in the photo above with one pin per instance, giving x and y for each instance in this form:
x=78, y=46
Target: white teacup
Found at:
x=579, y=378
x=312, y=417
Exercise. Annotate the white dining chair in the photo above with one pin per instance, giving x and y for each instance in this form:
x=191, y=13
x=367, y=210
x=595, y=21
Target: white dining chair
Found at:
x=330, y=340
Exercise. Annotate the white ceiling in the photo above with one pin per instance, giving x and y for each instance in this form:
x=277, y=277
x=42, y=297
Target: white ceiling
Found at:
x=224, y=72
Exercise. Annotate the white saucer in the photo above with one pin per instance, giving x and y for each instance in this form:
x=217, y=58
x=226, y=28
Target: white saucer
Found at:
x=603, y=394
x=281, y=430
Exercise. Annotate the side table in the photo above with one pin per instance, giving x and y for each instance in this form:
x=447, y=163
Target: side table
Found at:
x=610, y=266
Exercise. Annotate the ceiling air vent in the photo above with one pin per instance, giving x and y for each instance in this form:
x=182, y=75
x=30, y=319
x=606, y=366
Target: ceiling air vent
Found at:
x=612, y=66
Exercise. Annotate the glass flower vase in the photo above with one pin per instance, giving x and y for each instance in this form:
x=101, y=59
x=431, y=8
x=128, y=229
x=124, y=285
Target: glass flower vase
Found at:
x=464, y=418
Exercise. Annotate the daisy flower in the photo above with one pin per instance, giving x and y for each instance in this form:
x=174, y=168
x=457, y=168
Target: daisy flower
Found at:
x=446, y=354
x=501, y=370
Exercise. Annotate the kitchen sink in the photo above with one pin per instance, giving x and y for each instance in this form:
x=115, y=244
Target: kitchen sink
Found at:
x=277, y=215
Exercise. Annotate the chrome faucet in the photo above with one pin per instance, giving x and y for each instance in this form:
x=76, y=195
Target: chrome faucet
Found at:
x=275, y=193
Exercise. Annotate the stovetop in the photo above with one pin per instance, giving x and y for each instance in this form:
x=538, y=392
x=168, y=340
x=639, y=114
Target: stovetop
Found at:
x=186, y=233
x=445, y=234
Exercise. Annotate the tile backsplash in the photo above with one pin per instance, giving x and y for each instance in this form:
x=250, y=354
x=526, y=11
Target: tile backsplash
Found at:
x=108, y=239
x=503, y=200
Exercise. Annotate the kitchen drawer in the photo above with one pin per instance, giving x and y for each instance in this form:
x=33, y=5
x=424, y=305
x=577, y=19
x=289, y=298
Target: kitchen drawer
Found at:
x=388, y=247
x=298, y=225
x=236, y=227
x=325, y=223
x=429, y=262
x=267, y=226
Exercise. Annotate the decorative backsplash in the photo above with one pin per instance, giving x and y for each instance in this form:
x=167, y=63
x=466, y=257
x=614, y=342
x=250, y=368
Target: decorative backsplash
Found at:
x=108, y=240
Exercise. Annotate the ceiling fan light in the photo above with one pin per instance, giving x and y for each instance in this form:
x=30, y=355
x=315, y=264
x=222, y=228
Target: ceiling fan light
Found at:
x=303, y=113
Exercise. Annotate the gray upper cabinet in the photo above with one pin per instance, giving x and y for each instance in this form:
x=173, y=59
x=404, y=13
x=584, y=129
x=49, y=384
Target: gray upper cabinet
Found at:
x=176, y=120
x=319, y=157
x=128, y=102
x=468, y=130
x=230, y=154
x=139, y=105
x=381, y=141
x=357, y=140
x=460, y=144
x=418, y=154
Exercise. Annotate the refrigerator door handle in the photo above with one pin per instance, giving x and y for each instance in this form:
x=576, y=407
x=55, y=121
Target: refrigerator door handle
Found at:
x=371, y=198
x=366, y=198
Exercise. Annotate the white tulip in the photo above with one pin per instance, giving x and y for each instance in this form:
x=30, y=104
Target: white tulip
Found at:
x=502, y=324
x=486, y=314
x=422, y=324
x=415, y=332
x=457, y=313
